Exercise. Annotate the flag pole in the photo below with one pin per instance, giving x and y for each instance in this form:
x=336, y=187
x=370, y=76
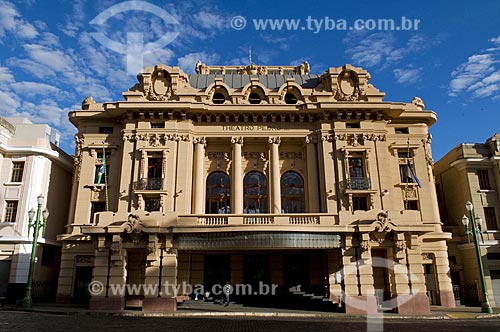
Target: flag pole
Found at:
x=408, y=171
x=105, y=175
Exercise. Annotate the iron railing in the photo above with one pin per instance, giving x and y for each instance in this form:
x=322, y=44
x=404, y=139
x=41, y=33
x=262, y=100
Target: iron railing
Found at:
x=359, y=184
x=149, y=184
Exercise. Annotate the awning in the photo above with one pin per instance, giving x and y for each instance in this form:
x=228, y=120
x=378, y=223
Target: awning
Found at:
x=253, y=240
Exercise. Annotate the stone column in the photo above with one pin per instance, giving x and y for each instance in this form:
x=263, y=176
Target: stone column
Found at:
x=445, y=287
x=358, y=278
x=237, y=180
x=117, y=274
x=312, y=175
x=274, y=143
x=144, y=164
x=199, y=171
x=167, y=301
x=414, y=300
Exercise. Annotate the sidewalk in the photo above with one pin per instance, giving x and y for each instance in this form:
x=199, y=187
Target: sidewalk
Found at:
x=204, y=309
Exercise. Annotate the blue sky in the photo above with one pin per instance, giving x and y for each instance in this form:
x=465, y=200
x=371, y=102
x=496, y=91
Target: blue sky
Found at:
x=50, y=61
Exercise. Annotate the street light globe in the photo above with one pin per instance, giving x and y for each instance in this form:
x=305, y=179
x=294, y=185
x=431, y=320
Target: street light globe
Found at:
x=465, y=220
x=469, y=206
x=31, y=214
x=40, y=199
x=45, y=213
x=479, y=221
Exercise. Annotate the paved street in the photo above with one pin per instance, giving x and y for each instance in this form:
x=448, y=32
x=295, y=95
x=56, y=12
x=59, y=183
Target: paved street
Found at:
x=43, y=322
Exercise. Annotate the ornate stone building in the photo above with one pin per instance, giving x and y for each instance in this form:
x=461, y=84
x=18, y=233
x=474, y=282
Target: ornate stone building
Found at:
x=256, y=175
x=471, y=172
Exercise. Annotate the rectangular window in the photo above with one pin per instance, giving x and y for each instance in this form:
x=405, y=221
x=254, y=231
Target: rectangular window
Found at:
x=10, y=211
x=152, y=203
x=484, y=180
x=359, y=203
x=353, y=125
x=17, y=171
x=402, y=130
x=411, y=205
x=356, y=169
x=405, y=154
x=96, y=207
x=105, y=130
x=108, y=156
x=99, y=174
x=405, y=173
x=158, y=125
x=491, y=218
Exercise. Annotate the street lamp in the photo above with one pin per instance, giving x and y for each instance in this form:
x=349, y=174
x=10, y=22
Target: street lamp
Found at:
x=475, y=226
x=27, y=301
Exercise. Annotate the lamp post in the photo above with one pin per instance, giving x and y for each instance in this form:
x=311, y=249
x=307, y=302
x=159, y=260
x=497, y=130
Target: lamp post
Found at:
x=27, y=301
x=473, y=229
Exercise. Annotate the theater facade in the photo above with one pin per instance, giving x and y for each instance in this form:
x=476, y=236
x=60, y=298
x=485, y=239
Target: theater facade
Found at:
x=256, y=175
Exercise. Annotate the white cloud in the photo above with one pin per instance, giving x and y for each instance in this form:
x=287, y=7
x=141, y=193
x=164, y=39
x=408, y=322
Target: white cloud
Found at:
x=371, y=50
x=30, y=89
x=381, y=48
x=5, y=75
x=11, y=22
x=495, y=40
x=10, y=103
x=478, y=76
x=407, y=75
x=188, y=61
x=53, y=59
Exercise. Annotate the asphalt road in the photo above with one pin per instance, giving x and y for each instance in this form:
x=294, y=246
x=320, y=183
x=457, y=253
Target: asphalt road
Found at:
x=41, y=322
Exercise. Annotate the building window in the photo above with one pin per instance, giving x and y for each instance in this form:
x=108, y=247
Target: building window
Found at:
x=152, y=203
x=405, y=173
x=218, y=193
x=353, y=125
x=290, y=98
x=17, y=171
x=254, y=98
x=357, y=178
x=359, y=203
x=403, y=130
x=218, y=98
x=411, y=205
x=255, y=193
x=105, y=130
x=157, y=125
x=484, y=180
x=10, y=211
x=292, y=193
x=99, y=176
x=96, y=207
x=405, y=154
x=356, y=169
x=491, y=218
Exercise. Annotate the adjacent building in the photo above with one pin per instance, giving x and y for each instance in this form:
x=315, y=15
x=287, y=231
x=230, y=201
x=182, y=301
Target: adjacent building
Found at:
x=471, y=172
x=256, y=175
x=31, y=164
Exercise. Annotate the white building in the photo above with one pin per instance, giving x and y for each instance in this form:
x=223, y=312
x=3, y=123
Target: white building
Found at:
x=31, y=164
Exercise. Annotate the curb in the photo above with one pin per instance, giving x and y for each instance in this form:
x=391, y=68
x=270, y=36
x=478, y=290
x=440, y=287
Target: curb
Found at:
x=447, y=316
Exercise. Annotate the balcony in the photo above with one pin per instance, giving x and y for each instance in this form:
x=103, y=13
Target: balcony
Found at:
x=358, y=184
x=265, y=220
x=149, y=184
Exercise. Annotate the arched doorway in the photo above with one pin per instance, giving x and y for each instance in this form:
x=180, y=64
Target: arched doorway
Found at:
x=292, y=193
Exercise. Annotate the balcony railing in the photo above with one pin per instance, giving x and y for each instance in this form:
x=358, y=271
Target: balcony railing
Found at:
x=217, y=220
x=358, y=184
x=149, y=184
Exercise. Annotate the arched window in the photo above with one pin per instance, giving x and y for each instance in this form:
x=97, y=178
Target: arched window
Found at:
x=218, y=193
x=255, y=193
x=292, y=193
